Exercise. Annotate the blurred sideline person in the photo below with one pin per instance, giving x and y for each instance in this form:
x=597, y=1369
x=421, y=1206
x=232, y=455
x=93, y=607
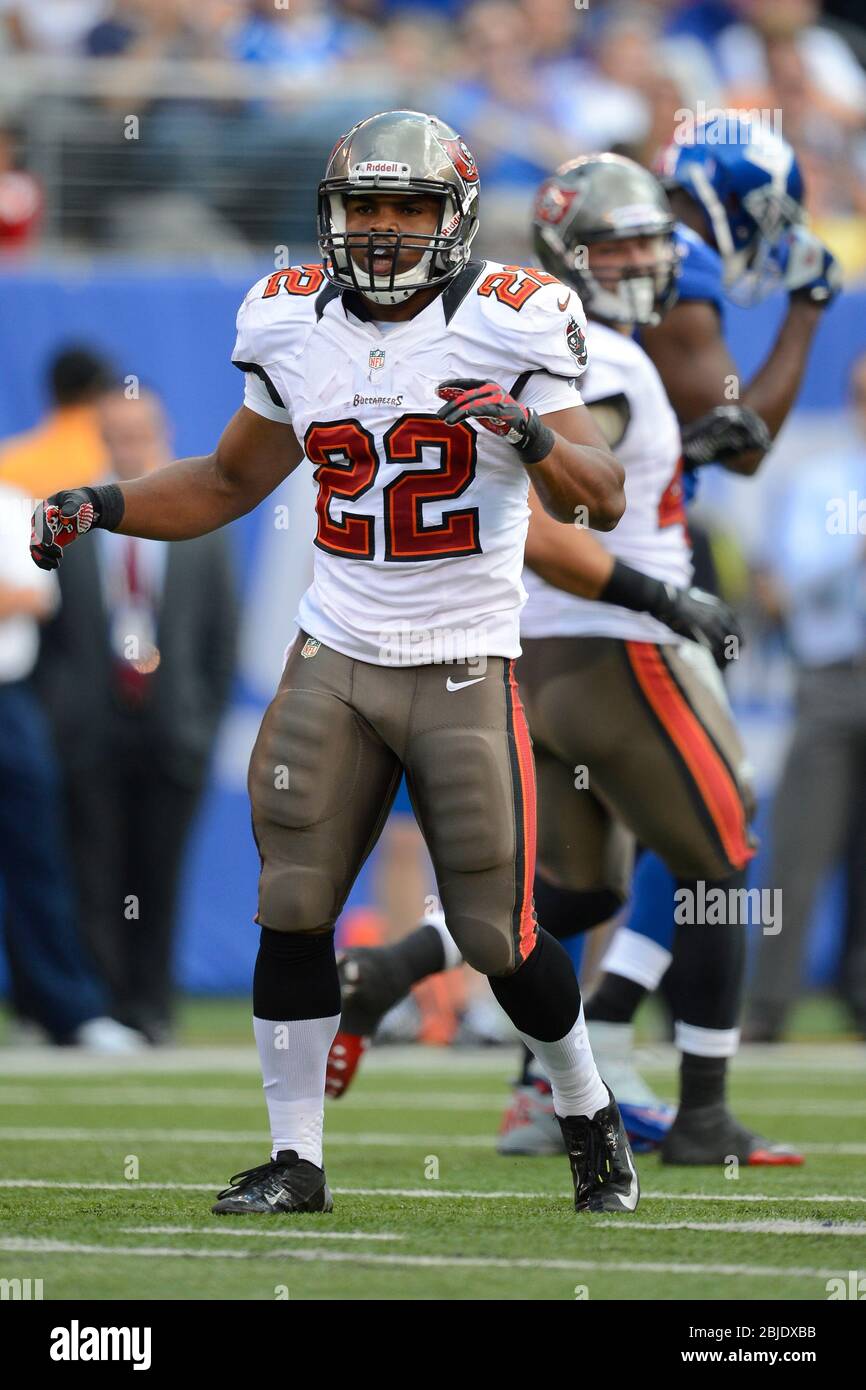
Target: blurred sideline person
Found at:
x=612, y=692
x=135, y=673
x=53, y=987
x=393, y=361
x=819, y=554
x=67, y=445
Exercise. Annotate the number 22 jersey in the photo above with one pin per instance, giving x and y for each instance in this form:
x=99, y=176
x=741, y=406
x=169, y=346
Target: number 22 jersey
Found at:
x=420, y=525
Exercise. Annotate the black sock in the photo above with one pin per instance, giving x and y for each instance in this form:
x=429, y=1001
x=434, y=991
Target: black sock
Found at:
x=615, y=1000
x=527, y=1064
x=702, y=1080
x=418, y=955
x=563, y=912
x=296, y=976
x=541, y=997
x=707, y=970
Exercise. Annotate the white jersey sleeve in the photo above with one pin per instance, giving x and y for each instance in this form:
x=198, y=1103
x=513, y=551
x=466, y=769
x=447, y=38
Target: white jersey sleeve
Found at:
x=272, y=329
x=258, y=399
x=546, y=393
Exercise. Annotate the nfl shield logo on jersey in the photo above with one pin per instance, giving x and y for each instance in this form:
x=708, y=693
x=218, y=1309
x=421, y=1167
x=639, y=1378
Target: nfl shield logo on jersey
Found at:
x=310, y=647
x=377, y=359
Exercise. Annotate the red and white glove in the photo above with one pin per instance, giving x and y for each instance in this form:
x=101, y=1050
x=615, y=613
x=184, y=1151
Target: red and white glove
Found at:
x=470, y=398
x=65, y=516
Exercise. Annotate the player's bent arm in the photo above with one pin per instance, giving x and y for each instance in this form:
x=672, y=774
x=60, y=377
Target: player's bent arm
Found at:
x=580, y=478
x=197, y=495
x=567, y=557
x=699, y=373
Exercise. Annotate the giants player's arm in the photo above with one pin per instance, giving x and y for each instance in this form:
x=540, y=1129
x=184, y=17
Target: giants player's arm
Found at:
x=580, y=471
x=567, y=557
x=693, y=361
x=196, y=495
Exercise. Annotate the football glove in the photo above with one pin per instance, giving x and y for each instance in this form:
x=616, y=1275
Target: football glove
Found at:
x=65, y=516
x=692, y=612
x=491, y=405
x=809, y=270
x=722, y=434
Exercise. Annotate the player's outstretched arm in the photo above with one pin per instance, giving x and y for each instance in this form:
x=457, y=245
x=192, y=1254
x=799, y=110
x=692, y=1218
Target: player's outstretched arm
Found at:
x=186, y=499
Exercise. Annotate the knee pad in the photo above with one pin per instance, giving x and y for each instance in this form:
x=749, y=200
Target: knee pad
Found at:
x=462, y=781
x=483, y=946
x=295, y=897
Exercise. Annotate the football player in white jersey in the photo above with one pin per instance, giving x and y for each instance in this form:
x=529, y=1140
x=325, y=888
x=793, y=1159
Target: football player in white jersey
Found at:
x=631, y=728
x=409, y=631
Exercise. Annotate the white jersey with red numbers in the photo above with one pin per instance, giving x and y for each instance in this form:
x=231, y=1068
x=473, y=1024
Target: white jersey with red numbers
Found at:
x=421, y=526
x=651, y=537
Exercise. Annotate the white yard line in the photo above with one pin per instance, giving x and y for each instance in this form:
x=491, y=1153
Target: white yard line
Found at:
x=252, y=1230
x=30, y=1245
x=757, y=1228
x=363, y=1139
x=94, y=1185
x=252, y=1099
x=249, y=1099
x=824, y=1058
x=122, y=1134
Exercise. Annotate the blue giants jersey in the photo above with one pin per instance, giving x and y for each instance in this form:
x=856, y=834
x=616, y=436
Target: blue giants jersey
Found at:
x=701, y=272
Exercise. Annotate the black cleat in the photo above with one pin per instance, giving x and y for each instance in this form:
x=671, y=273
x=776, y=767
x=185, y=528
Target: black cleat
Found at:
x=371, y=983
x=605, y=1178
x=709, y=1134
x=286, y=1184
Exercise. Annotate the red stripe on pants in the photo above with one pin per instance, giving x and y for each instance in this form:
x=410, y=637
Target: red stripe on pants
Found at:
x=707, y=768
x=526, y=773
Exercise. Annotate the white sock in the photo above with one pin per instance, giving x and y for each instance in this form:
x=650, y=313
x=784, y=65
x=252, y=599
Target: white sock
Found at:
x=293, y=1058
x=453, y=956
x=706, y=1042
x=636, y=958
x=570, y=1067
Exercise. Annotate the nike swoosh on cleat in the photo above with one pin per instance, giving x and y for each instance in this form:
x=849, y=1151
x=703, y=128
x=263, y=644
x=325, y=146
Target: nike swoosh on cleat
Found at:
x=459, y=685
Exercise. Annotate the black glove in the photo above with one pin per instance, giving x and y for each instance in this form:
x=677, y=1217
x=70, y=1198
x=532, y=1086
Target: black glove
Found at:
x=65, y=516
x=691, y=613
x=492, y=406
x=723, y=433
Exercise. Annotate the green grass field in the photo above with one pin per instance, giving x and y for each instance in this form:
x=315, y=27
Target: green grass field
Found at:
x=107, y=1172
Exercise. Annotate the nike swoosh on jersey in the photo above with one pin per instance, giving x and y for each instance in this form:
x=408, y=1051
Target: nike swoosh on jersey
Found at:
x=562, y=304
x=459, y=685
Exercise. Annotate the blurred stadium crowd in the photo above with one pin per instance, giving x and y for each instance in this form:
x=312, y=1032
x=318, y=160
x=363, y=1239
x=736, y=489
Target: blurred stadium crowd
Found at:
x=174, y=129
x=226, y=108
